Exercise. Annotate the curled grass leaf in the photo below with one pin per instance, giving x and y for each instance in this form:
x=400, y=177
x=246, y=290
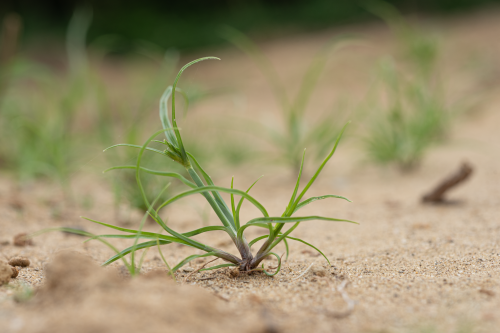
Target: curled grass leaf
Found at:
x=277, y=268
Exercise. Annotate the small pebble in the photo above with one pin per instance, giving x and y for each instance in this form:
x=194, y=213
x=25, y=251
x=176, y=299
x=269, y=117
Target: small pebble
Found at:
x=5, y=272
x=22, y=240
x=318, y=271
x=19, y=261
x=15, y=272
x=188, y=269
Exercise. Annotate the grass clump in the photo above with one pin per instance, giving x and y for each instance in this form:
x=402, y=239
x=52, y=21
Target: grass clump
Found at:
x=228, y=214
x=413, y=115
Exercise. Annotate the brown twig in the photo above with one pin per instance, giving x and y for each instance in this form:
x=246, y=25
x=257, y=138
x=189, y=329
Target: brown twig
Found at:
x=437, y=195
x=207, y=278
x=197, y=270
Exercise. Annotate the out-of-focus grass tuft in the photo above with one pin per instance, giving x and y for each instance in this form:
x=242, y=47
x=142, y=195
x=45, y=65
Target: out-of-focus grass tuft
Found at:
x=413, y=113
x=298, y=129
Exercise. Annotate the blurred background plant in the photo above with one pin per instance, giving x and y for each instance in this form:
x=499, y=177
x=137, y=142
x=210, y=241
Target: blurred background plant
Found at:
x=300, y=129
x=34, y=128
x=72, y=78
x=45, y=114
x=413, y=113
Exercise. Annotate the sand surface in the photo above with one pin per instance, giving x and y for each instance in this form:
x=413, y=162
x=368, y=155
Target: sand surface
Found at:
x=407, y=267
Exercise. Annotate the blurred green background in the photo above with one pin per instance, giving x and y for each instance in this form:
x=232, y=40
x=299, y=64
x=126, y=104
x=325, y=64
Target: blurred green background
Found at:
x=193, y=24
x=63, y=99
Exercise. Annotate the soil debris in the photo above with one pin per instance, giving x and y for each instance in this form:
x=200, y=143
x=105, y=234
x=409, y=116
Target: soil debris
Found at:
x=311, y=253
x=438, y=194
x=5, y=272
x=22, y=240
x=80, y=296
x=19, y=261
x=235, y=272
x=487, y=292
x=17, y=203
x=319, y=271
x=15, y=272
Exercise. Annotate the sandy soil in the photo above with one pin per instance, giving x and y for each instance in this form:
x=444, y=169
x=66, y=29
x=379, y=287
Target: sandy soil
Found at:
x=408, y=267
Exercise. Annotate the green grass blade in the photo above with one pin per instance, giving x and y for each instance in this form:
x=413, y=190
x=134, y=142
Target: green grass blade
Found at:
x=276, y=219
x=287, y=249
x=165, y=260
x=174, y=121
x=192, y=257
x=255, y=240
x=327, y=158
x=310, y=200
x=141, y=225
x=150, y=235
x=207, y=188
x=210, y=199
x=308, y=244
x=233, y=209
x=165, y=121
x=292, y=199
x=121, y=236
x=130, y=248
x=204, y=229
x=218, y=199
x=135, y=146
x=180, y=237
x=139, y=265
x=237, y=215
x=280, y=238
x=154, y=213
x=155, y=172
x=277, y=269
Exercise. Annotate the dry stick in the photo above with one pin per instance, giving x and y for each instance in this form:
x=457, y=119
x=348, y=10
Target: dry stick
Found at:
x=298, y=277
x=437, y=195
x=207, y=278
x=197, y=270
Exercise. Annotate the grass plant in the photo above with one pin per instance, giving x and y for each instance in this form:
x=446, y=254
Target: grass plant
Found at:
x=228, y=214
x=298, y=131
x=413, y=115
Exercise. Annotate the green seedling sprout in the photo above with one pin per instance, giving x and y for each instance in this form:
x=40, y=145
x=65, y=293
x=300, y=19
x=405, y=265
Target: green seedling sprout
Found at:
x=201, y=183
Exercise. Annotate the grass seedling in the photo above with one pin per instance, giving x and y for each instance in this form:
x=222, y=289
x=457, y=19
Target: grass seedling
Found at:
x=229, y=215
x=413, y=115
x=298, y=130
